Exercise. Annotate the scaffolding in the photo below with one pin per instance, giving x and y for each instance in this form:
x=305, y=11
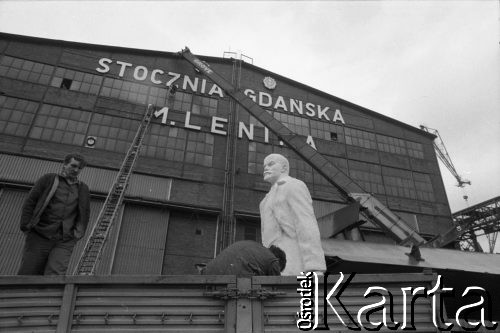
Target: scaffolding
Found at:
x=479, y=220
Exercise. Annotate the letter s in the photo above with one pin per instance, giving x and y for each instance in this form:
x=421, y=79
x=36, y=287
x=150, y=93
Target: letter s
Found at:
x=104, y=63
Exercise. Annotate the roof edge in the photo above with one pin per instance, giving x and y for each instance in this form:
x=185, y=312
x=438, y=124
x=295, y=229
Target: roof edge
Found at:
x=223, y=60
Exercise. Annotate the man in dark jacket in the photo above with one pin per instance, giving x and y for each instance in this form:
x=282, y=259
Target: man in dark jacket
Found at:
x=247, y=258
x=54, y=217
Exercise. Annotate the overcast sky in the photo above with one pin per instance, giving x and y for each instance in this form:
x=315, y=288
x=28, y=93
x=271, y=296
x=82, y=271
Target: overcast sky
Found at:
x=420, y=62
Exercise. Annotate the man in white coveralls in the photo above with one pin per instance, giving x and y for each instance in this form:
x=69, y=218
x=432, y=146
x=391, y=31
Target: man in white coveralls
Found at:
x=288, y=221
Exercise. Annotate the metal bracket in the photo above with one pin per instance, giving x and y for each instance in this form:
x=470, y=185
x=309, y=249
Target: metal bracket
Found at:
x=221, y=315
x=225, y=294
x=235, y=293
x=262, y=293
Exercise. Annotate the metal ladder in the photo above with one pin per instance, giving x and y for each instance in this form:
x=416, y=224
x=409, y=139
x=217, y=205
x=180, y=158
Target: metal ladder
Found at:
x=95, y=243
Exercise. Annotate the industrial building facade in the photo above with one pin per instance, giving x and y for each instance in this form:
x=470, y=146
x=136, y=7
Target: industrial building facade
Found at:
x=198, y=181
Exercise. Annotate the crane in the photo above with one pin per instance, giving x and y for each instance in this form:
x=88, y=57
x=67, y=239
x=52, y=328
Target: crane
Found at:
x=372, y=209
x=445, y=157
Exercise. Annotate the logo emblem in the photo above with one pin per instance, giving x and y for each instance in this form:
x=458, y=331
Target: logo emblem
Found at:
x=90, y=142
x=269, y=82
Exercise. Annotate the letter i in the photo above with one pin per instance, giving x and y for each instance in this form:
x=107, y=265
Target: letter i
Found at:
x=203, y=85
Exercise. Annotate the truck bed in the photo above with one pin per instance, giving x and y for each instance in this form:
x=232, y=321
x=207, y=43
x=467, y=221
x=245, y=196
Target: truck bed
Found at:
x=191, y=303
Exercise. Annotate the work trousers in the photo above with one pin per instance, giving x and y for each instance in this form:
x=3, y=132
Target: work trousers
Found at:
x=42, y=256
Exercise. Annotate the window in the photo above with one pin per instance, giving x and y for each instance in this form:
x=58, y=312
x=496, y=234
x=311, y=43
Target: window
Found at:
x=398, y=183
x=327, y=131
x=182, y=101
x=200, y=148
x=423, y=184
x=78, y=81
x=296, y=124
x=368, y=176
x=299, y=168
x=205, y=106
x=391, y=145
x=60, y=124
x=158, y=96
x=125, y=90
x=196, y=104
x=16, y=115
x=66, y=83
x=250, y=233
x=415, y=149
x=256, y=154
x=360, y=138
x=26, y=70
x=113, y=133
x=165, y=142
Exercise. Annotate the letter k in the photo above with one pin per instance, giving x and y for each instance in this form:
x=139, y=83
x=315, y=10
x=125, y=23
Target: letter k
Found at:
x=351, y=324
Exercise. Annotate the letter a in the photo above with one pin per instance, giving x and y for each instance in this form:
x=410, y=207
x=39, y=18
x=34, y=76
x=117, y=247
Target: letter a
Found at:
x=310, y=142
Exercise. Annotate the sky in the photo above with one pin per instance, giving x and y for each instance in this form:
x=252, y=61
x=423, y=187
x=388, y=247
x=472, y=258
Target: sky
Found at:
x=432, y=63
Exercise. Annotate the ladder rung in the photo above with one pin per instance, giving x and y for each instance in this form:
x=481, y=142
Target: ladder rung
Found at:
x=96, y=241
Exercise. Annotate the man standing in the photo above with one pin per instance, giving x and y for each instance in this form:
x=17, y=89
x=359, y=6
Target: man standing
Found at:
x=54, y=217
x=247, y=258
x=288, y=221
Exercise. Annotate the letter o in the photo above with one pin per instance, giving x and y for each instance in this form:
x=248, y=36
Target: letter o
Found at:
x=144, y=74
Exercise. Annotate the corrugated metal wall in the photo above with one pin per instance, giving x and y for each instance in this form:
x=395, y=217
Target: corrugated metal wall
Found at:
x=279, y=314
x=11, y=237
x=30, y=308
x=95, y=207
x=190, y=240
x=141, y=244
x=114, y=304
x=19, y=169
x=197, y=303
x=139, y=308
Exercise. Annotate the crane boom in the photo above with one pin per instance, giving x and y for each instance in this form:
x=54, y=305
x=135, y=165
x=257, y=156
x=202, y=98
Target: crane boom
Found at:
x=373, y=209
x=443, y=155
